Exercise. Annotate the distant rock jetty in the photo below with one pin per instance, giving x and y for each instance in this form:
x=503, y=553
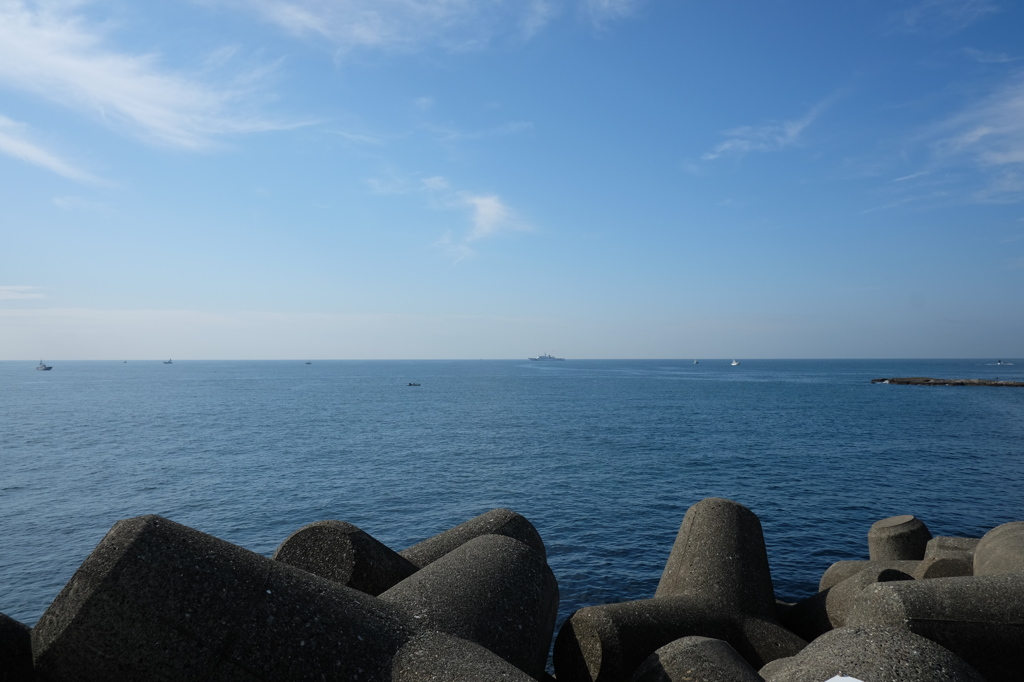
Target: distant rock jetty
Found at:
x=477, y=603
x=928, y=381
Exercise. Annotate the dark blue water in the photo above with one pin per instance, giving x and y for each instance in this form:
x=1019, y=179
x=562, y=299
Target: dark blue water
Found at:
x=604, y=457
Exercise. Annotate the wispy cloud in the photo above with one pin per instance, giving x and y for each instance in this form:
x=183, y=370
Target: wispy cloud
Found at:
x=912, y=176
x=485, y=215
x=447, y=134
x=975, y=155
x=987, y=136
x=991, y=130
x=942, y=17
x=767, y=137
x=435, y=183
x=490, y=216
x=49, y=48
x=16, y=141
x=988, y=57
x=604, y=11
x=409, y=25
x=17, y=293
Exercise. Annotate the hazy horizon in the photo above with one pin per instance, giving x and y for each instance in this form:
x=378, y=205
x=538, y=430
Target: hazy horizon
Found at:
x=709, y=361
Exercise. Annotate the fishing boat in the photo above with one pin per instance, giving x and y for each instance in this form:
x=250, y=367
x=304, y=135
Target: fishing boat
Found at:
x=43, y=366
x=168, y=362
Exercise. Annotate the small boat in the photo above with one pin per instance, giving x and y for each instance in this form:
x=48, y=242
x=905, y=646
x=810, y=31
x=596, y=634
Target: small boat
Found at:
x=308, y=362
x=545, y=356
x=695, y=362
x=412, y=384
x=168, y=362
x=734, y=363
x=43, y=366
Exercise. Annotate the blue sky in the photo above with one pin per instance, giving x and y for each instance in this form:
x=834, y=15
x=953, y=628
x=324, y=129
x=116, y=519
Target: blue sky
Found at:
x=499, y=178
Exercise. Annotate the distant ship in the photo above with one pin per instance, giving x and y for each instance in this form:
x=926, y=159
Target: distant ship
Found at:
x=545, y=356
x=734, y=363
x=43, y=366
x=168, y=362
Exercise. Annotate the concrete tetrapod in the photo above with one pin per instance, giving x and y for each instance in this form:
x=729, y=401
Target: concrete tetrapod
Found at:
x=841, y=570
x=980, y=618
x=495, y=522
x=719, y=557
x=871, y=654
x=695, y=659
x=343, y=553
x=947, y=567
x=1001, y=550
x=442, y=657
x=716, y=584
x=492, y=590
x=898, y=538
x=827, y=609
x=947, y=547
x=15, y=651
x=158, y=600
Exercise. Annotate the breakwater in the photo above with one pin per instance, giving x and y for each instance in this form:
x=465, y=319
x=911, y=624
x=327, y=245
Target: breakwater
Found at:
x=478, y=602
x=929, y=381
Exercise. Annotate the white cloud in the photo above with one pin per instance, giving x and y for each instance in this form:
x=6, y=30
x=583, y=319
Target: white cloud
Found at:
x=768, y=137
x=943, y=17
x=490, y=216
x=504, y=130
x=988, y=135
x=16, y=141
x=48, y=48
x=975, y=155
x=408, y=25
x=986, y=57
x=912, y=176
x=435, y=183
x=1006, y=187
x=17, y=293
x=603, y=11
x=536, y=15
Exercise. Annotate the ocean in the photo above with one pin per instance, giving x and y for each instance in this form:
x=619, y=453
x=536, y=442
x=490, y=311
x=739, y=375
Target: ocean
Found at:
x=604, y=457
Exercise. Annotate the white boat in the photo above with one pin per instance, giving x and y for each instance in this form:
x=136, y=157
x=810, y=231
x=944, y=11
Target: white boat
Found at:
x=545, y=356
x=734, y=363
x=695, y=362
x=43, y=366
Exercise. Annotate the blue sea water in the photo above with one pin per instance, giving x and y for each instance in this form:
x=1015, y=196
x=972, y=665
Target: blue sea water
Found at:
x=604, y=457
